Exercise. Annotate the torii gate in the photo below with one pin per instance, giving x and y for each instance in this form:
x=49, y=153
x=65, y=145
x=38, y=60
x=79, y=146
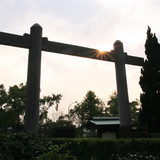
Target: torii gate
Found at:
x=36, y=43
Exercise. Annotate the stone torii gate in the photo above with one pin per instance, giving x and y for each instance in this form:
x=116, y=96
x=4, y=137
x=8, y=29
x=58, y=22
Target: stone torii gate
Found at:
x=36, y=43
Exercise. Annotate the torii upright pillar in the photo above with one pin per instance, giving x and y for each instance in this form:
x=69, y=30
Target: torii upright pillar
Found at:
x=31, y=122
x=123, y=102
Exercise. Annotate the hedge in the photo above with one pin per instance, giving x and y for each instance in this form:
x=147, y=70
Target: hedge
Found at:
x=30, y=146
x=104, y=149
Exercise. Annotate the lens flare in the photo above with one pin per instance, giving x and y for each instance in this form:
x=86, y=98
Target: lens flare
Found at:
x=101, y=54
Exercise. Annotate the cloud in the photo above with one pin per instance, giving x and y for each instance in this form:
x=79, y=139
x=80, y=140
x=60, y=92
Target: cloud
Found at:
x=73, y=11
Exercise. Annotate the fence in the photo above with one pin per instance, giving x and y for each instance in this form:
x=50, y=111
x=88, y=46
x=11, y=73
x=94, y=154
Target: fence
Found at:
x=132, y=132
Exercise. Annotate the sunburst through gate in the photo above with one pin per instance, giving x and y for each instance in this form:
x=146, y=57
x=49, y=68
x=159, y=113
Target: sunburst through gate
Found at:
x=36, y=43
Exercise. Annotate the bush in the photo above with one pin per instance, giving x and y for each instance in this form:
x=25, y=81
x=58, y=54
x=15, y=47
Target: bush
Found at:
x=135, y=156
x=102, y=149
x=22, y=146
x=57, y=153
x=27, y=146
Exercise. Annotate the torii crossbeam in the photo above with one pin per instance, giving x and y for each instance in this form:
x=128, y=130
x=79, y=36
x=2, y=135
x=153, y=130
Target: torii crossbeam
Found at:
x=36, y=43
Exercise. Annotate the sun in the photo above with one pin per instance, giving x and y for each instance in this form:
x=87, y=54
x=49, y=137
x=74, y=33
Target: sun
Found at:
x=102, y=52
x=105, y=47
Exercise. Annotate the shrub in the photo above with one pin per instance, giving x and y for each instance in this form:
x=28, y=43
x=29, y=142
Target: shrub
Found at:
x=57, y=153
x=22, y=146
x=102, y=149
x=26, y=146
x=135, y=156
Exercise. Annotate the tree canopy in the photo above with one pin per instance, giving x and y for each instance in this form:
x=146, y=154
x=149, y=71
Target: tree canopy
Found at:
x=84, y=111
x=12, y=105
x=150, y=84
x=112, y=109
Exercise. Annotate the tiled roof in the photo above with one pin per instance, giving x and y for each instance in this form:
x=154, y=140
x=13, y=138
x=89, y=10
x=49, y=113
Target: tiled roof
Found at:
x=105, y=121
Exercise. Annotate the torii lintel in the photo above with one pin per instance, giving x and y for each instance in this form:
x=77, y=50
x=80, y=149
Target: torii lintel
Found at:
x=66, y=49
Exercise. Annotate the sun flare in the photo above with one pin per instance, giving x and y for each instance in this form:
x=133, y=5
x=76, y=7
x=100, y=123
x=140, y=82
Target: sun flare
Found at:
x=106, y=47
x=102, y=52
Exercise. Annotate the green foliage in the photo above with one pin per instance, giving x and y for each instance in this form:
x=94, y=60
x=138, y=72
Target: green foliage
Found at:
x=26, y=146
x=12, y=104
x=84, y=111
x=102, y=149
x=45, y=103
x=134, y=112
x=22, y=146
x=112, y=110
x=150, y=84
x=134, y=156
x=58, y=152
x=113, y=105
x=63, y=121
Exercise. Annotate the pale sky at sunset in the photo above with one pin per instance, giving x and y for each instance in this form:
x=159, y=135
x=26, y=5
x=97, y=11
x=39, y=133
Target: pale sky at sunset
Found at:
x=90, y=23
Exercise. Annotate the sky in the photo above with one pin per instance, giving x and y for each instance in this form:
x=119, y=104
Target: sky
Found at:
x=89, y=23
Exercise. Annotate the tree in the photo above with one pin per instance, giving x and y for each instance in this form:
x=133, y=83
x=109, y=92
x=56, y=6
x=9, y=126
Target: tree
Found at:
x=150, y=84
x=84, y=111
x=112, y=109
x=62, y=121
x=12, y=104
x=45, y=103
